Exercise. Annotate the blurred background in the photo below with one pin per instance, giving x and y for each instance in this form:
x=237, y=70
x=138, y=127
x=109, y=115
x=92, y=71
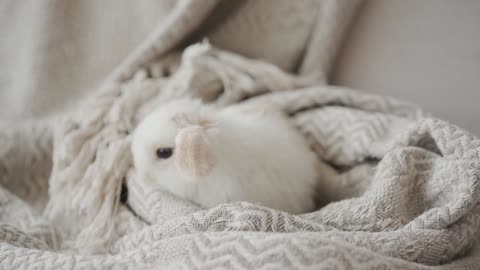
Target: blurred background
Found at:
x=427, y=52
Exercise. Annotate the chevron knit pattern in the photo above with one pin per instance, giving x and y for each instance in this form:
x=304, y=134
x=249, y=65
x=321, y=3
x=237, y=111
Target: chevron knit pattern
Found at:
x=399, y=190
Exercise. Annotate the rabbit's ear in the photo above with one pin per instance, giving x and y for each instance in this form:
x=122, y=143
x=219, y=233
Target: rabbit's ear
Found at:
x=194, y=155
x=184, y=120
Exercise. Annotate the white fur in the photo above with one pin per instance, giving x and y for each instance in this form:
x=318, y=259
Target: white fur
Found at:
x=260, y=158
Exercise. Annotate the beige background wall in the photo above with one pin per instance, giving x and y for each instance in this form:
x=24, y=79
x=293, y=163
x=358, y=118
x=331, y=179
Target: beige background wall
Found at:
x=427, y=52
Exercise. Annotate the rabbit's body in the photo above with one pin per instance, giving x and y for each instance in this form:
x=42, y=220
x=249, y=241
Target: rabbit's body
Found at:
x=226, y=155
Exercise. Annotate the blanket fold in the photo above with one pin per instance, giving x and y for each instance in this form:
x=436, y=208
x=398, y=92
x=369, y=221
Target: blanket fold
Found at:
x=400, y=186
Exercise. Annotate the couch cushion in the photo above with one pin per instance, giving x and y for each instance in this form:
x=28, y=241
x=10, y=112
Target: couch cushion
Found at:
x=427, y=52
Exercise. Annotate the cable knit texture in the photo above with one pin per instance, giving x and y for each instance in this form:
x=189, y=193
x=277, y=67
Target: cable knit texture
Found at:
x=398, y=189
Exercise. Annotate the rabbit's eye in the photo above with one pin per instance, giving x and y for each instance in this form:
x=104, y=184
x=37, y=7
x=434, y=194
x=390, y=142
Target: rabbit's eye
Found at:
x=164, y=153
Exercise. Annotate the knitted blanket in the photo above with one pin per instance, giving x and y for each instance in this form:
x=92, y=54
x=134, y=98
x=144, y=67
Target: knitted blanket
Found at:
x=398, y=189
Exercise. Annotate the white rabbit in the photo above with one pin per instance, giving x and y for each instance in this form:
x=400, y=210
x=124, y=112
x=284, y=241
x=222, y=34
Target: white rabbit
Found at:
x=218, y=155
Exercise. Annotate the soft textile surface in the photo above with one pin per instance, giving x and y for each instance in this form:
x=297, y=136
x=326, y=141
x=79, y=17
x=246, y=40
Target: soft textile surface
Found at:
x=404, y=188
x=53, y=52
x=398, y=190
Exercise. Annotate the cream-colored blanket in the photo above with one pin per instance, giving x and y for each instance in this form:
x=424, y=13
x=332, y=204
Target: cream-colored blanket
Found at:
x=399, y=190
